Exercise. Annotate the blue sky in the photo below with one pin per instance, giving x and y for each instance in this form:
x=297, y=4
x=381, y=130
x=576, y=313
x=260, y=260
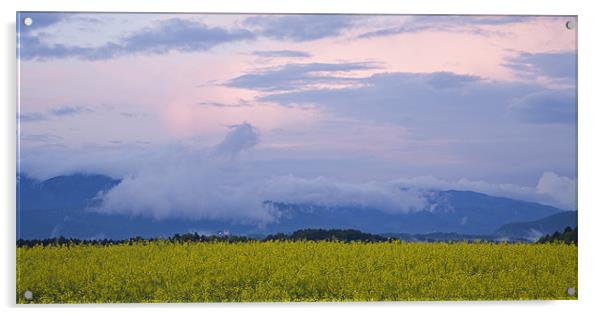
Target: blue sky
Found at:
x=294, y=107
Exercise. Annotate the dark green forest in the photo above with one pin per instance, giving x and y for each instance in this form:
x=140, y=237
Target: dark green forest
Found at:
x=568, y=236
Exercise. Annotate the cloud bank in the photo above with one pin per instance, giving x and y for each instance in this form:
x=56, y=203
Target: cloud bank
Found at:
x=219, y=183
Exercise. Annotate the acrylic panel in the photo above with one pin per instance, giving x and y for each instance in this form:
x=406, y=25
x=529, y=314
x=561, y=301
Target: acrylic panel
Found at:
x=187, y=157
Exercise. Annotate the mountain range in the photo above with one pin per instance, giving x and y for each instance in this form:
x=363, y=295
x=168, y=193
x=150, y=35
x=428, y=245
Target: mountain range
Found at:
x=60, y=207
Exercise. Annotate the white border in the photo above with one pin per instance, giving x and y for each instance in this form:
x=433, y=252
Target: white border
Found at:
x=590, y=265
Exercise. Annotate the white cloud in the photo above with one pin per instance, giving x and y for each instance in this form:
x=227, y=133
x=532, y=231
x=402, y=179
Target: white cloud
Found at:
x=551, y=189
x=240, y=137
x=385, y=196
x=217, y=184
x=563, y=189
x=185, y=182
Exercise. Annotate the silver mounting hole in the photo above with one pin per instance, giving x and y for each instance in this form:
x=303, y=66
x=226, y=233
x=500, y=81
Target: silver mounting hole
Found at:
x=570, y=25
x=28, y=21
x=28, y=295
x=570, y=291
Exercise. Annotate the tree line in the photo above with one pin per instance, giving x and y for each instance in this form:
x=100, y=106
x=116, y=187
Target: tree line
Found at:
x=568, y=236
x=347, y=235
x=344, y=235
x=188, y=237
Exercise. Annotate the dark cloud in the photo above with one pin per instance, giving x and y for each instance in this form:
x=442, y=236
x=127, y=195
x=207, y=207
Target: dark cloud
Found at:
x=181, y=35
x=470, y=124
x=166, y=36
x=127, y=114
x=240, y=137
x=31, y=48
x=413, y=97
x=439, y=99
x=39, y=137
x=40, y=20
x=293, y=76
x=446, y=23
x=31, y=117
x=393, y=31
x=443, y=80
x=239, y=104
x=69, y=110
x=561, y=65
x=54, y=112
x=281, y=53
x=300, y=27
x=547, y=107
x=491, y=19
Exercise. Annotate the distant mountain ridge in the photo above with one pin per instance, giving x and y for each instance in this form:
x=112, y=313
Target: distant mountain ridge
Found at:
x=57, y=207
x=464, y=212
x=533, y=230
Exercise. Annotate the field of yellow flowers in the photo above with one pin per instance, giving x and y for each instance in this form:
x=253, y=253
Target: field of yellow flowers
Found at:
x=294, y=271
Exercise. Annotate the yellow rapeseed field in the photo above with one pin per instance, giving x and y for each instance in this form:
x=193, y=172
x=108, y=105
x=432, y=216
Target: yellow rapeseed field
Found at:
x=294, y=271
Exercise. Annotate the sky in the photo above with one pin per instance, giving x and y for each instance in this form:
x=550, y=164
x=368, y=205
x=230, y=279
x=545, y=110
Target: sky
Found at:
x=208, y=115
